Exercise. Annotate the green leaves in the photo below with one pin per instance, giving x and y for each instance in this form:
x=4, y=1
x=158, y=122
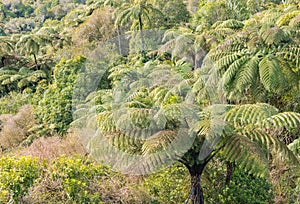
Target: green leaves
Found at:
x=17, y=176
x=262, y=124
x=270, y=73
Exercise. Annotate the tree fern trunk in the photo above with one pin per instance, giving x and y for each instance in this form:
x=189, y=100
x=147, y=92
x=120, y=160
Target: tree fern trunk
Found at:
x=196, y=192
x=119, y=40
x=141, y=33
x=35, y=61
x=229, y=172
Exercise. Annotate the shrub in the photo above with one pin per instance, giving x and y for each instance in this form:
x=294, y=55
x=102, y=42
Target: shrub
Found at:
x=15, y=127
x=52, y=147
x=10, y=104
x=17, y=176
x=79, y=180
x=55, y=104
x=172, y=185
x=242, y=188
x=169, y=185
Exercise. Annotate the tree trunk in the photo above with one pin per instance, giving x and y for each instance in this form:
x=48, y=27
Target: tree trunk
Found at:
x=141, y=33
x=119, y=40
x=35, y=61
x=196, y=193
x=229, y=171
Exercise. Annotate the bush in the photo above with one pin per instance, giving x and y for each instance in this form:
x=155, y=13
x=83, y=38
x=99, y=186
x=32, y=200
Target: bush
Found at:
x=53, y=147
x=17, y=176
x=242, y=188
x=78, y=180
x=10, y=104
x=170, y=185
x=55, y=104
x=15, y=128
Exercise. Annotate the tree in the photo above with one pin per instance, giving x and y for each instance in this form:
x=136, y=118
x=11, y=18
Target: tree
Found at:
x=5, y=45
x=160, y=115
x=261, y=60
x=136, y=10
x=194, y=44
x=20, y=79
x=174, y=12
x=31, y=44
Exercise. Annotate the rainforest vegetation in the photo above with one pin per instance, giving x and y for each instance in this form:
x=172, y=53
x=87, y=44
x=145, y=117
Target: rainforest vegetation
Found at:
x=150, y=101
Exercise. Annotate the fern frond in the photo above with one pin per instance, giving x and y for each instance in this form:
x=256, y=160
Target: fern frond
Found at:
x=270, y=73
x=250, y=113
x=232, y=70
x=15, y=77
x=248, y=154
x=295, y=146
x=272, y=143
x=291, y=54
x=248, y=74
x=159, y=141
x=288, y=120
x=106, y=122
x=274, y=36
x=227, y=60
x=232, y=24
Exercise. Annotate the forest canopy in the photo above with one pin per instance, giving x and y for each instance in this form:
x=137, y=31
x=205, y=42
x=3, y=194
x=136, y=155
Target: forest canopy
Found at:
x=149, y=101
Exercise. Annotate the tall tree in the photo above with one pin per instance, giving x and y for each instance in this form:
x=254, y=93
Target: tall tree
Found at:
x=159, y=115
x=262, y=60
x=136, y=10
x=31, y=44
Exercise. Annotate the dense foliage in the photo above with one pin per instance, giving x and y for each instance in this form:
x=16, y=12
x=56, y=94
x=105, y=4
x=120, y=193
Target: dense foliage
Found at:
x=204, y=93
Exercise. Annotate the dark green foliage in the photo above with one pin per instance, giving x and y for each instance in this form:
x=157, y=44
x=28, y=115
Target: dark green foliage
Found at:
x=170, y=186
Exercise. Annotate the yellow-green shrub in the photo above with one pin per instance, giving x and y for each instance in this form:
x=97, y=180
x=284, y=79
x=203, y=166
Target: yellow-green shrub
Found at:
x=17, y=176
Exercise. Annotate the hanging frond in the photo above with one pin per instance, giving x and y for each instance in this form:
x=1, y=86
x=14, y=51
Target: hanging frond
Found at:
x=287, y=120
x=248, y=73
x=232, y=71
x=291, y=54
x=271, y=142
x=232, y=24
x=286, y=18
x=247, y=154
x=227, y=60
x=159, y=141
x=105, y=121
x=273, y=35
x=270, y=73
x=250, y=113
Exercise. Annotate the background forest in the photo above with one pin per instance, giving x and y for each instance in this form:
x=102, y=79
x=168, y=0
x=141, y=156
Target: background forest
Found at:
x=205, y=94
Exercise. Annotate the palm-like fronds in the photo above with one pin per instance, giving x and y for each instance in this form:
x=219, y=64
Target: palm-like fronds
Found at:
x=19, y=79
x=262, y=54
x=158, y=120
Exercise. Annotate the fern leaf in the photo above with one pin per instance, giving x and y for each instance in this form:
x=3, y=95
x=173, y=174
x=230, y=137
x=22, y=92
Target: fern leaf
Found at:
x=288, y=120
x=232, y=71
x=248, y=74
x=270, y=73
